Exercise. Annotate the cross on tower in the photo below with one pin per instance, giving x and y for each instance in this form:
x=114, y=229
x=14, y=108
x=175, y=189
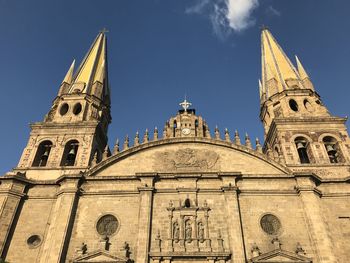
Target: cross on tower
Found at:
x=104, y=30
x=185, y=104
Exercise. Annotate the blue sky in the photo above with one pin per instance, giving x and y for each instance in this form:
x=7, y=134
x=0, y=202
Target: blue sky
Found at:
x=158, y=50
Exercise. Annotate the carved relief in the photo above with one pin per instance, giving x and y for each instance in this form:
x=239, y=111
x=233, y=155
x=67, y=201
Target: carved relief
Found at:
x=107, y=225
x=186, y=159
x=270, y=224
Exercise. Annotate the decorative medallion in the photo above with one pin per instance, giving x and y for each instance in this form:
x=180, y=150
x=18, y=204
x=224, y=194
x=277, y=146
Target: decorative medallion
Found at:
x=186, y=160
x=107, y=225
x=34, y=241
x=270, y=224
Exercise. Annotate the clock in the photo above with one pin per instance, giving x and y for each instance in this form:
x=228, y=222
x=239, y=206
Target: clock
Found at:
x=186, y=131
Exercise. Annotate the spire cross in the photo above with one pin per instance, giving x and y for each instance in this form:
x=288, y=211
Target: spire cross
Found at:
x=185, y=104
x=104, y=30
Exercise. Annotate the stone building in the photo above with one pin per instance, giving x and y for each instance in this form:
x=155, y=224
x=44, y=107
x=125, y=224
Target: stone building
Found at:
x=182, y=194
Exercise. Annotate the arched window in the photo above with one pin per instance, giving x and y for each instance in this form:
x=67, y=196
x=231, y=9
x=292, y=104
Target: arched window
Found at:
x=332, y=149
x=70, y=153
x=302, y=147
x=42, y=154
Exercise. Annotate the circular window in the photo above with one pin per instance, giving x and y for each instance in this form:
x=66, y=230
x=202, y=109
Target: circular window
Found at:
x=293, y=105
x=270, y=224
x=34, y=241
x=77, y=108
x=107, y=225
x=307, y=105
x=64, y=109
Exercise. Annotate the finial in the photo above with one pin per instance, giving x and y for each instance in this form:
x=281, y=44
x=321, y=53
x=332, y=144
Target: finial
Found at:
x=247, y=141
x=155, y=134
x=237, y=140
x=255, y=250
x=126, y=143
x=137, y=139
x=116, y=147
x=145, y=136
x=227, y=135
x=264, y=27
x=207, y=133
x=94, y=159
x=105, y=154
x=276, y=242
x=164, y=132
x=258, y=145
x=185, y=104
x=299, y=250
x=217, y=133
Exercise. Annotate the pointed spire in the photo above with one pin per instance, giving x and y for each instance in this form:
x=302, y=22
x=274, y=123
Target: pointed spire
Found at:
x=301, y=70
x=155, y=134
x=93, y=69
x=217, y=133
x=126, y=143
x=145, y=136
x=237, y=140
x=116, y=147
x=69, y=76
x=258, y=145
x=137, y=139
x=164, y=132
x=276, y=64
x=247, y=141
x=227, y=135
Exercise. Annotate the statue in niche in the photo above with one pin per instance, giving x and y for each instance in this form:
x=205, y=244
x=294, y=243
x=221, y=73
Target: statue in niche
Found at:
x=188, y=230
x=176, y=231
x=200, y=231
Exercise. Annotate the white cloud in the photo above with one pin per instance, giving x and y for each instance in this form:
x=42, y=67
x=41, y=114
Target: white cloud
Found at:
x=226, y=16
x=239, y=13
x=198, y=7
x=272, y=11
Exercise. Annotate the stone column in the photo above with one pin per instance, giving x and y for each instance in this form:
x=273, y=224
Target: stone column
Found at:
x=318, y=229
x=145, y=220
x=61, y=221
x=11, y=193
x=234, y=223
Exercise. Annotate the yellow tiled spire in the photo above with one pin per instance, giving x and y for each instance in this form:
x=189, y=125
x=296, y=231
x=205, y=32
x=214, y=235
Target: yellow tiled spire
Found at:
x=92, y=66
x=69, y=76
x=275, y=64
x=301, y=70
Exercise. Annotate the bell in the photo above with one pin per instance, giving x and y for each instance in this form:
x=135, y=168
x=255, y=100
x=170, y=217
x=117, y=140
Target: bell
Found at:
x=71, y=152
x=46, y=153
x=300, y=145
x=330, y=149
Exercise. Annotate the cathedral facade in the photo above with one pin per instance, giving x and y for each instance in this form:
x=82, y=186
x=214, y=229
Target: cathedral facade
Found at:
x=183, y=194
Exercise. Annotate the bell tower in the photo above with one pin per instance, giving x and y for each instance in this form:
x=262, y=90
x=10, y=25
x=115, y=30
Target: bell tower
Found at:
x=299, y=129
x=75, y=128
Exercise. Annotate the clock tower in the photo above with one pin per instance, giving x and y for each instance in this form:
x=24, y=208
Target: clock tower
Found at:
x=186, y=124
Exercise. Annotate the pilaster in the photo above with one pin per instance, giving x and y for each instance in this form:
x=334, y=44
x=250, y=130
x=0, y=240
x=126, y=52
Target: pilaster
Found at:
x=145, y=219
x=11, y=194
x=318, y=229
x=57, y=238
x=234, y=223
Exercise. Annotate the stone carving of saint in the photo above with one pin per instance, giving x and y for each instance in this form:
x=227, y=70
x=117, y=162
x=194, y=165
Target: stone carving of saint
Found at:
x=200, y=231
x=188, y=230
x=176, y=231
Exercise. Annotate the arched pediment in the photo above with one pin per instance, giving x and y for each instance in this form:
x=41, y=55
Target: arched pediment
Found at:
x=178, y=155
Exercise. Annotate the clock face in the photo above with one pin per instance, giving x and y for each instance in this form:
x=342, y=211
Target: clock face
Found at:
x=186, y=131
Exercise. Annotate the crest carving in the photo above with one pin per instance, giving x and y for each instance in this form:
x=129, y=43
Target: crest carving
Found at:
x=186, y=160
